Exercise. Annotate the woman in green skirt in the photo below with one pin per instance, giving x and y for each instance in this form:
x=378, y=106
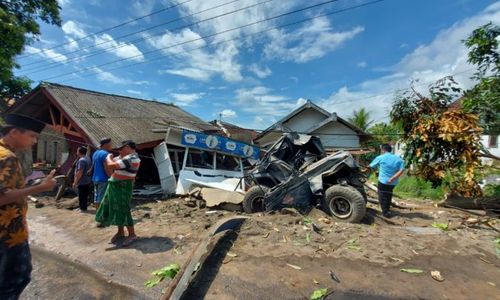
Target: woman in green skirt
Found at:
x=115, y=206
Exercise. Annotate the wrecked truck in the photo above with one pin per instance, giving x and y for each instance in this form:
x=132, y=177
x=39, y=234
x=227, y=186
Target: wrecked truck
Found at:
x=296, y=172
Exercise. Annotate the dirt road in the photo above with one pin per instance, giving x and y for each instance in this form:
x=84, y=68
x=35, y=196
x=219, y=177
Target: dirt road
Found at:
x=281, y=256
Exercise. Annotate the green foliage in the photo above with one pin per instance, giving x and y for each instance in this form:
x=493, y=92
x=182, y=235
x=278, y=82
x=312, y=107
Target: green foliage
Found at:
x=352, y=244
x=18, y=27
x=492, y=190
x=382, y=133
x=483, y=49
x=319, y=294
x=166, y=272
x=439, y=138
x=361, y=119
x=413, y=187
x=442, y=226
x=484, y=98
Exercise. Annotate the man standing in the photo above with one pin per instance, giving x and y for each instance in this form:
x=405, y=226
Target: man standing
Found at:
x=100, y=174
x=19, y=133
x=82, y=179
x=391, y=167
x=115, y=206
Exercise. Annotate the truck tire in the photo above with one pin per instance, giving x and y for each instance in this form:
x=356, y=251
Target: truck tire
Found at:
x=344, y=203
x=252, y=202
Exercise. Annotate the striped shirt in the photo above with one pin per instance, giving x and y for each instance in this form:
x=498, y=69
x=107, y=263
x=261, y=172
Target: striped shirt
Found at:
x=129, y=165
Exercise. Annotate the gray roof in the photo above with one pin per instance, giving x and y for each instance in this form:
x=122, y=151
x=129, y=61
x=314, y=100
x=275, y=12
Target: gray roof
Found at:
x=119, y=117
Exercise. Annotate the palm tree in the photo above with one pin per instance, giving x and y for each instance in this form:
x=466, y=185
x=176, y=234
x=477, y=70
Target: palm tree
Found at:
x=361, y=119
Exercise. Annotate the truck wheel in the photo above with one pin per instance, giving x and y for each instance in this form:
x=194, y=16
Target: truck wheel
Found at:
x=253, y=200
x=344, y=203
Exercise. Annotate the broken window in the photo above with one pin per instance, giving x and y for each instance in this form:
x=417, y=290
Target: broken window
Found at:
x=227, y=162
x=200, y=159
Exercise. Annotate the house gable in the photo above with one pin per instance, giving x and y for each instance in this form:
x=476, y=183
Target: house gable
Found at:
x=337, y=135
x=335, y=132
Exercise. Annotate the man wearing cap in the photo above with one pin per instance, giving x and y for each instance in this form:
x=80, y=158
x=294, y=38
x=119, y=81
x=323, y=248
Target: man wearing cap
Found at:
x=19, y=133
x=100, y=173
x=115, y=206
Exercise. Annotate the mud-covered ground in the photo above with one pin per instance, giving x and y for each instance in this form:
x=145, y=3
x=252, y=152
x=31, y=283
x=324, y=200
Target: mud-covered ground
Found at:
x=277, y=256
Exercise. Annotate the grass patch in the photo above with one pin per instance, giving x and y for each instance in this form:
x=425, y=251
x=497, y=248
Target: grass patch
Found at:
x=492, y=190
x=417, y=188
x=413, y=187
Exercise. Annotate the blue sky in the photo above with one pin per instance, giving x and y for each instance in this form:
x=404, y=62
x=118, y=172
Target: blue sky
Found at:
x=345, y=61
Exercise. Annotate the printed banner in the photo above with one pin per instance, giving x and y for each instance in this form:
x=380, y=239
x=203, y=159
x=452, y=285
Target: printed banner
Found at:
x=219, y=143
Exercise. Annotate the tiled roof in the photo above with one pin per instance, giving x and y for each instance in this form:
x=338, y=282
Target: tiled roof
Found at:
x=120, y=117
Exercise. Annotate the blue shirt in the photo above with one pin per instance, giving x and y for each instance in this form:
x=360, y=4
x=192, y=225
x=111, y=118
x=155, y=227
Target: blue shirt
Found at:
x=83, y=164
x=389, y=164
x=98, y=159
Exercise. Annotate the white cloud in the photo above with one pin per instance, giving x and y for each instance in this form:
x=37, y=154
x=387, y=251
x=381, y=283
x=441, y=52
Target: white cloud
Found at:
x=63, y=3
x=143, y=7
x=187, y=38
x=73, y=29
x=134, y=92
x=313, y=40
x=222, y=59
x=238, y=19
x=362, y=64
x=71, y=44
x=47, y=53
x=120, y=49
x=444, y=55
x=199, y=64
x=261, y=101
x=258, y=94
x=110, y=77
x=228, y=113
x=294, y=79
x=261, y=72
x=193, y=73
x=186, y=99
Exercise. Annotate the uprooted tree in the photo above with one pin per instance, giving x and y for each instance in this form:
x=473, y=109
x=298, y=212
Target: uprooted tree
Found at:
x=442, y=140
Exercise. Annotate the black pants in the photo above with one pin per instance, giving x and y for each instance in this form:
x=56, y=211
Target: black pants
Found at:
x=83, y=196
x=385, y=196
x=15, y=270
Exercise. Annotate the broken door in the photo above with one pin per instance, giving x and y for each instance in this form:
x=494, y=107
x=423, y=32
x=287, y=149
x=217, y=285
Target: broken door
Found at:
x=165, y=170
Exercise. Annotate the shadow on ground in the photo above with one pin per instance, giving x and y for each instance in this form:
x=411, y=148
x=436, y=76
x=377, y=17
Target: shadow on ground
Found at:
x=56, y=277
x=154, y=244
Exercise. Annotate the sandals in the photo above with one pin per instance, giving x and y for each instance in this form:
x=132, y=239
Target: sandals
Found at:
x=116, y=237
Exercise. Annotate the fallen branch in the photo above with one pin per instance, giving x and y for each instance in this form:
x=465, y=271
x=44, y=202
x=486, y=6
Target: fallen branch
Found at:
x=463, y=210
x=488, y=154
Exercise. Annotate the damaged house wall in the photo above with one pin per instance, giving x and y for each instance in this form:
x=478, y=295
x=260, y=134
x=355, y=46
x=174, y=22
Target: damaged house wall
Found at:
x=77, y=117
x=335, y=133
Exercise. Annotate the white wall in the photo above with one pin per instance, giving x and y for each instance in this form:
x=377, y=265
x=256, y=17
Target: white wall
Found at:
x=485, y=140
x=346, y=138
x=305, y=120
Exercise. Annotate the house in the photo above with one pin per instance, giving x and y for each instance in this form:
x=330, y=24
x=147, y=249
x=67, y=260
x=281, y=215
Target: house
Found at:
x=77, y=117
x=335, y=133
x=235, y=132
